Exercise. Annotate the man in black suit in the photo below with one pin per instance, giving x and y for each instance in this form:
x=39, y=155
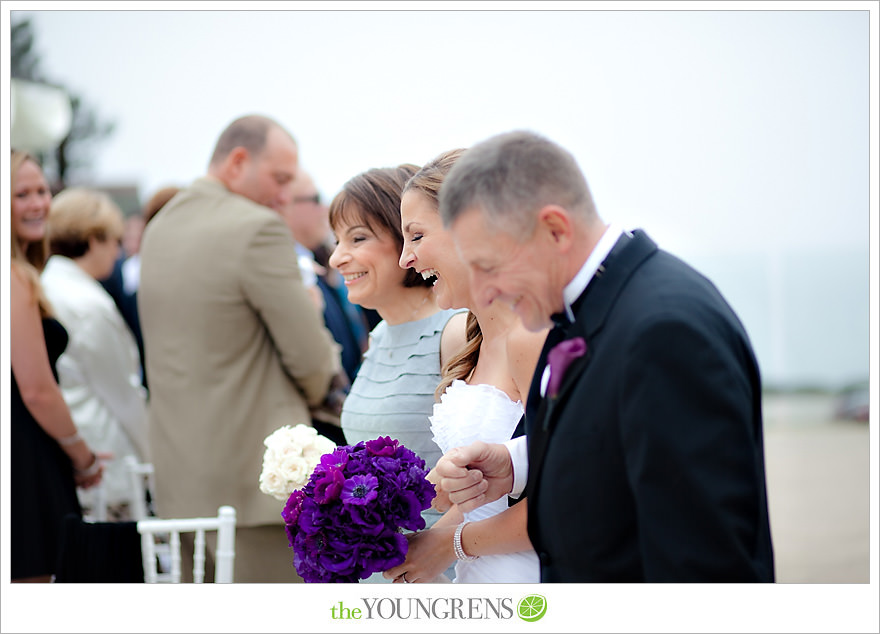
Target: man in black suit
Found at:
x=644, y=454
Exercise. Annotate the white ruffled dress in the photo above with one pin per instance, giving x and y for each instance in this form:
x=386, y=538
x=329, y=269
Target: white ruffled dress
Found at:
x=467, y=413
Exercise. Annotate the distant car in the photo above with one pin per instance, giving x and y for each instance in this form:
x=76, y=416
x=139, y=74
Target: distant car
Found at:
x=852, y=403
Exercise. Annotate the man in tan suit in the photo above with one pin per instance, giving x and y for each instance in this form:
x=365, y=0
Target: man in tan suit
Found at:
x=234, y=346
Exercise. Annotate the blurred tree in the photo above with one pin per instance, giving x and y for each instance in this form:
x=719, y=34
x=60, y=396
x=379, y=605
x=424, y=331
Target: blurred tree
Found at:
x=72, y=158
x=24, y=63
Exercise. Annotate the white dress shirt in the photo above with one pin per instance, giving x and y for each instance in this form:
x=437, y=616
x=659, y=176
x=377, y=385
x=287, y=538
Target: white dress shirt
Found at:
x=99, y=372
x=517, y=447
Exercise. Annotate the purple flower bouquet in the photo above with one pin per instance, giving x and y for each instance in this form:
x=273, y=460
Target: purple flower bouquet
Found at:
x=346, y=523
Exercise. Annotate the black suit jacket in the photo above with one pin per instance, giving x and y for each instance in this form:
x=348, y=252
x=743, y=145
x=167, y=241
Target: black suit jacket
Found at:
x=649, y=464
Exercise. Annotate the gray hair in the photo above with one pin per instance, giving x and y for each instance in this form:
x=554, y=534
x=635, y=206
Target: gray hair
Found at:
x=512, y=176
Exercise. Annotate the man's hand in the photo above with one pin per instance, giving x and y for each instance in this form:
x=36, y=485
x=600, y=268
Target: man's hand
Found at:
x=472, y=476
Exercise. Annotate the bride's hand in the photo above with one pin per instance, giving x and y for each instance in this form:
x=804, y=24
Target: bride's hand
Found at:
x=430, y=554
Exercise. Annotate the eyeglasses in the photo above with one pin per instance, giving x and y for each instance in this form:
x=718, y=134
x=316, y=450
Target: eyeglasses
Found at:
x=315, y=200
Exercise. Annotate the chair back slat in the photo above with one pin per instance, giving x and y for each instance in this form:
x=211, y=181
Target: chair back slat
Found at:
x=175, y=556
x=223, y=523
x=140, y=481
x=199, y=556
x=148, y=550
x=224, y=569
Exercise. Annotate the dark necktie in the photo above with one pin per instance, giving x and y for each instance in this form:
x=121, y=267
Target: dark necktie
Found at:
x=561, y=320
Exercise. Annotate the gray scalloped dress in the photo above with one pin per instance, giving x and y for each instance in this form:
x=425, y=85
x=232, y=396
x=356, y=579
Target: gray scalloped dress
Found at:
x=393, y=392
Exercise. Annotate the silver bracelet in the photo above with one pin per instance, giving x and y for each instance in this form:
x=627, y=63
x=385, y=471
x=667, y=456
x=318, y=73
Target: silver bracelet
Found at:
x=91, y=470
x=67, y=441
x=456, y=544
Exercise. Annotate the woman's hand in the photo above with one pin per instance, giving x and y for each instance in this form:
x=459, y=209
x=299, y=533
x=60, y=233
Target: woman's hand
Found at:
x=430, y=554
x=440, y=502
x=90, y=475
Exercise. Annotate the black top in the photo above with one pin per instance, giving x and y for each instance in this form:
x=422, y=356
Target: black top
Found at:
x=42, y=486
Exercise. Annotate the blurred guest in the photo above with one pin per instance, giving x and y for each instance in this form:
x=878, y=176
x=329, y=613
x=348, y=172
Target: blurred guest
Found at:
x=157, y=201
x=123, y=282
x=115, y=285
x=308, y=219
x=100, y=369
x=393, y=393
x=132, y=232
x=234, y=346
x=48, y=457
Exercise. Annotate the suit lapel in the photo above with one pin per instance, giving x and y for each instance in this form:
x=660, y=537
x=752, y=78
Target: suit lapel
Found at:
x=534, y=400
x=592, y=307
x=591, y=310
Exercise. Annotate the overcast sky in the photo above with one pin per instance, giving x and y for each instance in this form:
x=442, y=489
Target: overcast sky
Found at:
x=737, y=139
x=728, y=134
x=714, y=130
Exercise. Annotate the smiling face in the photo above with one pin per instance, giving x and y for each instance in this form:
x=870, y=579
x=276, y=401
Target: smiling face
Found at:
x=428, y=248
x=523, y=274
x=31, y=199
x=367, y=260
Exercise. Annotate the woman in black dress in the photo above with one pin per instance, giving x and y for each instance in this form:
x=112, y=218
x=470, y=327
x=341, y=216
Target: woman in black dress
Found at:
x=48, y=457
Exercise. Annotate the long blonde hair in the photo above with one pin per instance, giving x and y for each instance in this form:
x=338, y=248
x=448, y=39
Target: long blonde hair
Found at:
x=462, y=364
x=428, y=181
x=31, y=259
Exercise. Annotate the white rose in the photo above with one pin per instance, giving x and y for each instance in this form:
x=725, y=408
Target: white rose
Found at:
x=272, y=483
x=296, y=471
x=291, y=455
x=277, y=437
x=303, y=435
x=320, y=445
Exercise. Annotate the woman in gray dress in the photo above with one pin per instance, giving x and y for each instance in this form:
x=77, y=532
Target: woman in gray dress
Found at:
x=393, y=392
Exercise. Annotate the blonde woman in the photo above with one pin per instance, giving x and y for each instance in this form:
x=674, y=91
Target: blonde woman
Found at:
x=482, y=397
x=99, y=371
x=49, y=458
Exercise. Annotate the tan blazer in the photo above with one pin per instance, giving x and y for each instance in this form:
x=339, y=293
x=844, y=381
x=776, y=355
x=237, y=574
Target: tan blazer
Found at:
x=234, y=349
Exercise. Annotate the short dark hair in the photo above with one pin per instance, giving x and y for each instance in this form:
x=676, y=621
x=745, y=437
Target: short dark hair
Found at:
x=374, y=196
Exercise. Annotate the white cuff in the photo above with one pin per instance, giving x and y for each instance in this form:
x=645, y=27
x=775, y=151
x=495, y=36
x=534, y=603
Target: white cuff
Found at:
x=519, y=459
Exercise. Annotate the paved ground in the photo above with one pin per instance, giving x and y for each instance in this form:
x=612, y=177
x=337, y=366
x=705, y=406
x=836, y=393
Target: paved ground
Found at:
x=818, y=472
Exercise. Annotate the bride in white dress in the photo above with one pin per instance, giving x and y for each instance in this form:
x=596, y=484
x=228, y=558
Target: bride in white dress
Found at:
x=493, y=416
x=481, y=397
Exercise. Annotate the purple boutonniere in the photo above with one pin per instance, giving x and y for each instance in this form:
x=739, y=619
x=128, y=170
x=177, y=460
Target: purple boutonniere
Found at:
x=558, y=360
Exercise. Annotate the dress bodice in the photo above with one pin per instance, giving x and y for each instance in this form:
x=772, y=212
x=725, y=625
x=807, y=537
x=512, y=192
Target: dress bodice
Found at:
x=56, y=340
x=467, y=413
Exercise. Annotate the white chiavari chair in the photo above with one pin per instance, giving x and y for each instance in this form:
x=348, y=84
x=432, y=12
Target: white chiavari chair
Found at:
x=224, y=555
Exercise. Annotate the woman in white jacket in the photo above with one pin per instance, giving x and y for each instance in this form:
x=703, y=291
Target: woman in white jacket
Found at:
x=99, y=372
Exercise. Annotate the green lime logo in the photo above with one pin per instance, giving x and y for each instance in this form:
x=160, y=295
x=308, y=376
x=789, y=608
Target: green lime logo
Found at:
x=532, y=607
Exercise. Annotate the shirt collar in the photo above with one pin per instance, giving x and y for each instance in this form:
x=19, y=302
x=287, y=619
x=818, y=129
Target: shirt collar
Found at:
x=579, y=283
